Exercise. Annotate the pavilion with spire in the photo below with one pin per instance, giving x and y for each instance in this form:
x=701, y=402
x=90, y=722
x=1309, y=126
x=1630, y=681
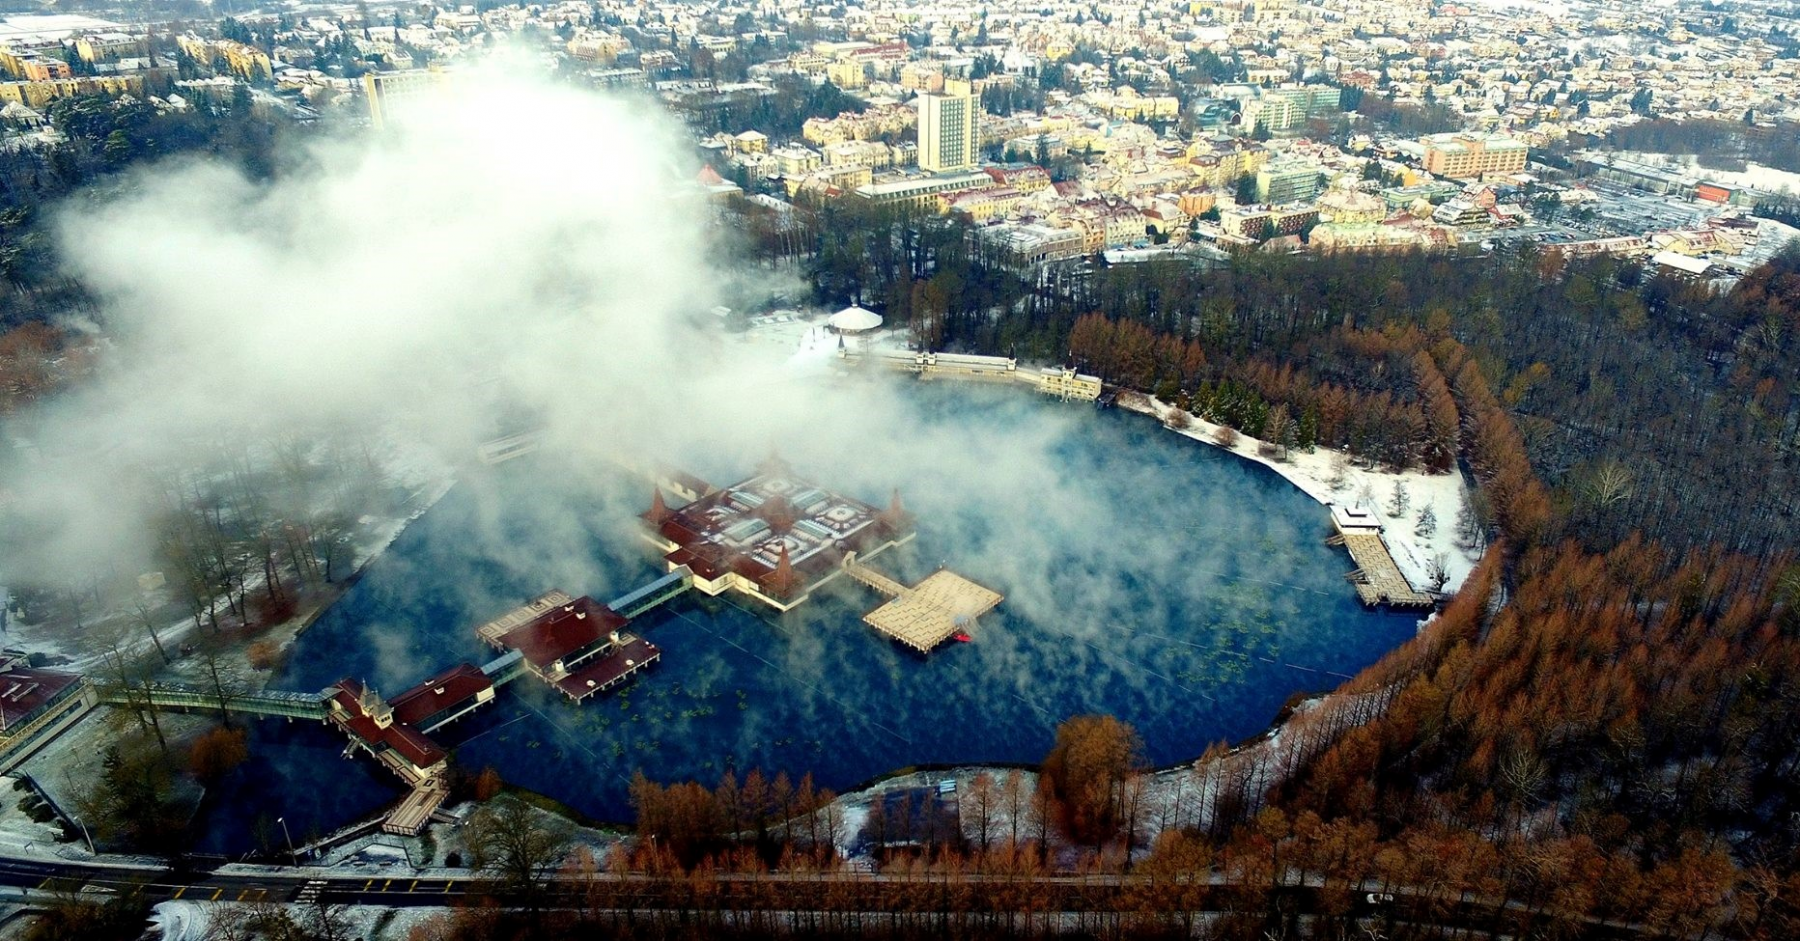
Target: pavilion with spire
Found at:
x=895, y=517
x=775, y=536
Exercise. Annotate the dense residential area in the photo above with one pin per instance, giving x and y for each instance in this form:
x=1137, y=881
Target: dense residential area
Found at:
x=1229, y=469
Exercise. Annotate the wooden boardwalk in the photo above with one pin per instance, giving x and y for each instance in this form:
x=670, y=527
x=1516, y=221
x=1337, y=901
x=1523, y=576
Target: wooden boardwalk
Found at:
x=492, y=631
x=873, y=579
x=1377, y=577
x=415, y=809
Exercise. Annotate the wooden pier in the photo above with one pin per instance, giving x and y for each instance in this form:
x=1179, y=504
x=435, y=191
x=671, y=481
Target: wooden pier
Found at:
x=872, y=578
x=409, y=817
x=925, y=615
x=428, y=788
x=1377, y=578
x=491, y=632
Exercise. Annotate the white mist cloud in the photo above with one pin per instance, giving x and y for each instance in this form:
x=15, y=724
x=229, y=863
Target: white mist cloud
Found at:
x=530, y=248
x=512, y=240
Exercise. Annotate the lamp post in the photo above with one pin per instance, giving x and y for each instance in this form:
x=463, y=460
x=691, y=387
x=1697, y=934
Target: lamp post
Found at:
x=292, y=856
x=86, y=835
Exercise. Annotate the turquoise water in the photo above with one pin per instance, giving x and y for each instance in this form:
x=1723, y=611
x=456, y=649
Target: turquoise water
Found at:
x=1185, y=590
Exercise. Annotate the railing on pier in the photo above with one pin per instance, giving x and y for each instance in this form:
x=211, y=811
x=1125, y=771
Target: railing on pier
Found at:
x=872, y=578
x=288, y=705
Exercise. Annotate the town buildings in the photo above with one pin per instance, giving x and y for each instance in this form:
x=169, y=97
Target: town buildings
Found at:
x=1148, y=123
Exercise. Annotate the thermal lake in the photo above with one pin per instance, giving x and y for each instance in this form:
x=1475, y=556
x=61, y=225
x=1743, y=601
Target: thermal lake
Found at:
x=1185, y=590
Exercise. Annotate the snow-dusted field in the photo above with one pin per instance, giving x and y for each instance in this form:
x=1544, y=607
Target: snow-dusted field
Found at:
x=1753, y=176
x=188, y=920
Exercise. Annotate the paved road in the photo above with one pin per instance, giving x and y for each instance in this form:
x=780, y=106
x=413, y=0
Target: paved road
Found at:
x=1073, y=896
x=273, y=886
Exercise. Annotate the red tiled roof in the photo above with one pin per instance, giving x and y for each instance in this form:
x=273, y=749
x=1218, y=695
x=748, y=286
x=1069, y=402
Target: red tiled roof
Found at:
x=448, y=690
x=24, y=690
x=603, y=670
x=673, y=529
x=563, y=631
x=412, y=745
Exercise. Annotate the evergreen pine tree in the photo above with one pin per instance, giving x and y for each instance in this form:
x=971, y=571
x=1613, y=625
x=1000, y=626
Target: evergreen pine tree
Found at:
x=1400, y=501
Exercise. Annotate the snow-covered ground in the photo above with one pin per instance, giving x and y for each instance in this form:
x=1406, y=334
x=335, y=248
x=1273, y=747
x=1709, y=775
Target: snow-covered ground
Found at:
x=19, y=834
x=1771, y=238
x=189, y=920
x=1753, y=176
x=1331, y=478
x=422, y=473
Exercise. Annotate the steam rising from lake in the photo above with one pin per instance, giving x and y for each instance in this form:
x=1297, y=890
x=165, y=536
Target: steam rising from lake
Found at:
x=512, y=248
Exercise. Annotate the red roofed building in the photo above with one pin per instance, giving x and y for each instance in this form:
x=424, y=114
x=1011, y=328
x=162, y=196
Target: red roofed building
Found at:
x=1024, y=177
x=35, y=704
x=773, y=537
x=444, y=697
x=600, y=674
x=370, y=723
x=557, y=641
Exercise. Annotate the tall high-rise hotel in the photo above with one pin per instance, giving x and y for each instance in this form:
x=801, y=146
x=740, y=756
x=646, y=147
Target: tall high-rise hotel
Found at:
x=949, y=139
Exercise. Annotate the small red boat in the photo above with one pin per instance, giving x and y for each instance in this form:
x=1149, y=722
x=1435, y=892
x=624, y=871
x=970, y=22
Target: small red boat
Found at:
x=961, y=637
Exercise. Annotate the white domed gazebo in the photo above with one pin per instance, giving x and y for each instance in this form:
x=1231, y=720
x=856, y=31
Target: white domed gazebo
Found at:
x=854, y=321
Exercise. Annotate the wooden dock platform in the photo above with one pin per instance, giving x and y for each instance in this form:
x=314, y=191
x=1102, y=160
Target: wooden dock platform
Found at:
x=1377, y=578
x=925, y=615
x=492, y=631
x=414, y=811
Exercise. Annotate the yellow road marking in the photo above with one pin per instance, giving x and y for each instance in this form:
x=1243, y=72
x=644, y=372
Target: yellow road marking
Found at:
x=179, y=891
x=384, y=885
x=447, y=885
x=262, y=894
x=47, y=881
x=243, y=895
x=216, y=893
x=367, y=884
x=414, y=886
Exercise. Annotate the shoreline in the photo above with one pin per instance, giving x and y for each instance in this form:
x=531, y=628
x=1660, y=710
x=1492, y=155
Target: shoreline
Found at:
x=1310, y=472
x=1303, y=471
